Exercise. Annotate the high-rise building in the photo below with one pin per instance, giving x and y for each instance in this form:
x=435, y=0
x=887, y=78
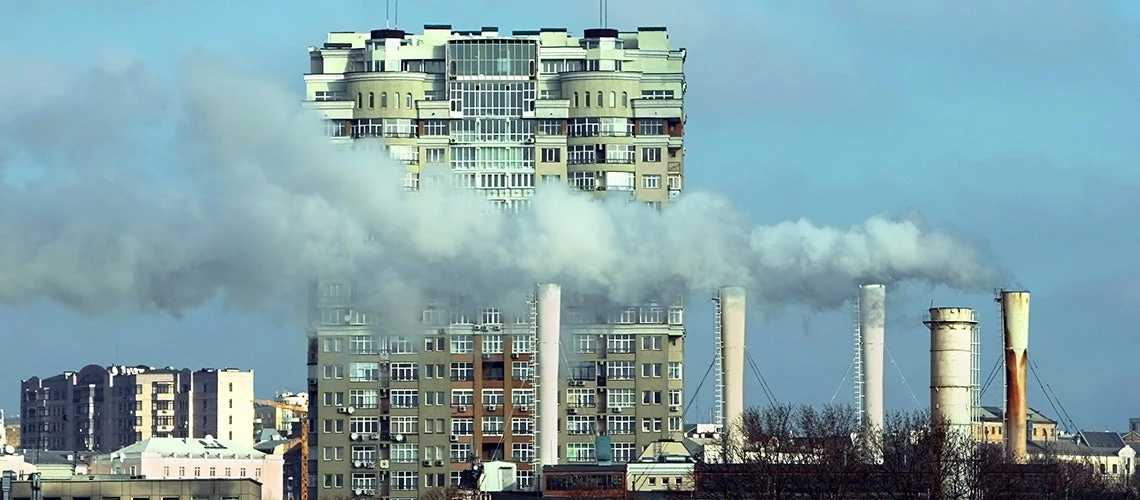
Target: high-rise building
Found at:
x=106, y=408
x=398, y=411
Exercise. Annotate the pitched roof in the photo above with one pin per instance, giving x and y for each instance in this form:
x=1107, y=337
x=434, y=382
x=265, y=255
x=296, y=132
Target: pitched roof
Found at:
x=190, y=447
x=1100, y=439
x=997, y=414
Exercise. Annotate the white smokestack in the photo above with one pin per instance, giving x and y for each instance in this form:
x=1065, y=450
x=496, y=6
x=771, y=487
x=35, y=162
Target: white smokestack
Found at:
x=951, y=355
x=872, y=332
x=1015, y=318
x=549, y=304
x=732, y=313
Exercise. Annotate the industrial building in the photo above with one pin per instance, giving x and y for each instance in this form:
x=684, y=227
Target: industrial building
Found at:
x=102, y=409
x=397, y=413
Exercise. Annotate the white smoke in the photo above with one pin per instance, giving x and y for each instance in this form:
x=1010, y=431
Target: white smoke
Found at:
x=136, y=192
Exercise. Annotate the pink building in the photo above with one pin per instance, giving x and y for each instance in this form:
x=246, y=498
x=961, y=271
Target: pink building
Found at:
x=208, y=458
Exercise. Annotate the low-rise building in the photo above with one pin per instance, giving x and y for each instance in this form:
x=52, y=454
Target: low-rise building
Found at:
x=121, y=486
x=290, y=452
x=182, y=458
x=1040, y=428
x=1106, y=452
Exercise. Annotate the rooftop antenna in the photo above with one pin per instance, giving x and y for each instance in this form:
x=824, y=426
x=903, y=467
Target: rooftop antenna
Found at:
x=604, y=13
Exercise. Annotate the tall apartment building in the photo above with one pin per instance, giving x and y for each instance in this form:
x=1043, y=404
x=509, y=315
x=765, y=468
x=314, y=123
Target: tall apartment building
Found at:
x=397, y=412
x=106, y=408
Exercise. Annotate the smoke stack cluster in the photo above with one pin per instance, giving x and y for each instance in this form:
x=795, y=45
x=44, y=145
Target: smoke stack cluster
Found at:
x=951, y=357
x=549, y=317
x=732, y=313
x=1015, y=323
x=872, y=335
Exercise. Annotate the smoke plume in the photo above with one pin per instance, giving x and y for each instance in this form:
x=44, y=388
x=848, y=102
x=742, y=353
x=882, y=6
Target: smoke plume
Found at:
x=125, y=190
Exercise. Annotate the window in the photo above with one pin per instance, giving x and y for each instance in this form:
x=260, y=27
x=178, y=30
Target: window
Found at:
x=651, y=342
x=492, y=426
x=435, y=127
x=334, y=372
x=549, y=127
x=364, y=425
x=460, y=452
x=676, y=424
x=651, y=126
x=462, y=397
x=359, y=100
x=584, y=181
x=620, y=398
x=551, y=155
x=619, y=370
x=362, y=344
x=579, y=452
x=624, y=452
x=404, y=372
x=675, y=370
x=613, y=99
x=522, y=426
x=585, y=343
x=625, y=99
x=463, y=426
x=408, y=101
x=650, y=397
x=331, y=345
x=651, y=370
x=651, y=155
x=575, y=99
x=462, y=371
x=651, y=425
x=371, y=100
x=405, y=398
x=404, y=480
x=462, y=343
x=334, y=426
x=619, y=344
x=363, y=480
x=492, y=397
x=651, y=181
x=657, y=94
x=676, y=314
x=396, y=98
x=328, y=453
x=522, y=452
x=581, y=397
x=522, y=343
x=405, y=453
x=580, y=424
x=364, y=372
x=521, y=370
x=334, y=398
x=492, y=343
x=334, y=480
x=383, y=99
x=585, y=127
x=364, y=453
x=434, y=155
x=522, y=397
x=620, y=424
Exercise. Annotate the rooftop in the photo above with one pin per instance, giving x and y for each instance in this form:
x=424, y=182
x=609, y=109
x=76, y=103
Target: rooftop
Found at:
x=190, y=447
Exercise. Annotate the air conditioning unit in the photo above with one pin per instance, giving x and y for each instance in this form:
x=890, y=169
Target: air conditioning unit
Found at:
x=383, y=464
x=462, y=408
x=312, y=381
x=674, y=408
x=492, y=408
x=399, y=438
x=486, y=356
x=438, y=463
x=369, y=492
x=617, y=410
x=383, y=393
x=427, y=463
x=376, y=436
x=358, y=491
x=354, y=437
x=571, y=411
x=369, y=465
x=524, y=408
x=341, y=409
x=350, y=410
x=358, y=464
x=454, y=438
x=514, y=355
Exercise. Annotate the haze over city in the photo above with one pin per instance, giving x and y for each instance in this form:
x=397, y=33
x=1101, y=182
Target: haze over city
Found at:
x=1006, y=135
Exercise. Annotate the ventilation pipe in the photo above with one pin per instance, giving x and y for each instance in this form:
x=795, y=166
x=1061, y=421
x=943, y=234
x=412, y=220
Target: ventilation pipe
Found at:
x=549, y=319
x=732, y=312
x=1015, y=322
x=872, y=334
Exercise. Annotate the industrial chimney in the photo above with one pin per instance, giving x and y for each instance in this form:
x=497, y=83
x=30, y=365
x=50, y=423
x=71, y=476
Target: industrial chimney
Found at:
x=872, y=333
x=952, y=332
x=548, y=302
x=1015, y=323
x=731, y=312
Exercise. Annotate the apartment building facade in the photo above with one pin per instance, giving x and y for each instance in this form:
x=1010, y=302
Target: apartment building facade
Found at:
x=106, y=408
x=399, y=411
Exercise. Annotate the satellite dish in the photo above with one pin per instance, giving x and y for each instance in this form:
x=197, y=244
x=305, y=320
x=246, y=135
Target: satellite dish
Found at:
x=9, y=449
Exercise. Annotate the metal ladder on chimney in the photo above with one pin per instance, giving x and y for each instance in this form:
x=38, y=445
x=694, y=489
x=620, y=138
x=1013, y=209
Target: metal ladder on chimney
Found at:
x=718, y=363
x=857, y=363
x=532, y=368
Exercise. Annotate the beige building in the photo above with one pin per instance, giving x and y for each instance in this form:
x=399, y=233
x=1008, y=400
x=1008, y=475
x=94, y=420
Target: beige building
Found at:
x=1040, y=428
x=396, y=413
x=104, y=408
x=181, y=458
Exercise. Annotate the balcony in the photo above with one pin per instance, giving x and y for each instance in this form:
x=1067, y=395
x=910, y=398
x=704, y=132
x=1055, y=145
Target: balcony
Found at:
x=658, y=108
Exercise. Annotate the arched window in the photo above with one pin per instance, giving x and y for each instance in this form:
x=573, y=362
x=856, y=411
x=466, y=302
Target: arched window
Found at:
x=396, y=96
x=600, y=101
x=371, y=100
x=409, y=101
x=624, y=100
x=384, y=100
x=613, y=99
x=359, y=100
x=587, y=98
x=575, y=99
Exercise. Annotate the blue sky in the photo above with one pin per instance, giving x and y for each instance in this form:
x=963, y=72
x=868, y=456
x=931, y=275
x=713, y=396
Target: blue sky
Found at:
x=1013, y=125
